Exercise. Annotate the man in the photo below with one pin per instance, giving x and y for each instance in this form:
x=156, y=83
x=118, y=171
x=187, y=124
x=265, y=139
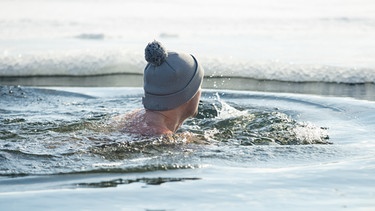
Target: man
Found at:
x=172, y=90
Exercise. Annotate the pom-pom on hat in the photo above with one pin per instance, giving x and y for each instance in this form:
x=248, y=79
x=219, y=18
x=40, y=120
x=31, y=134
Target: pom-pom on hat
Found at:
x=170, y=78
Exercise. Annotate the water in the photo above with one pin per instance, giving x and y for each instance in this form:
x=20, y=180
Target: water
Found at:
x=247, y=148
x=60, y=128
x=286, y=119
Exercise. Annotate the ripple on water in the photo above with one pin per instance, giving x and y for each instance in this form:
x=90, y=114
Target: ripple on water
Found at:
x=63, y=136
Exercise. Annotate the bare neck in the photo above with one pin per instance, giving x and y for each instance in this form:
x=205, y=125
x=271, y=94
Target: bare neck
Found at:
x=164, y=121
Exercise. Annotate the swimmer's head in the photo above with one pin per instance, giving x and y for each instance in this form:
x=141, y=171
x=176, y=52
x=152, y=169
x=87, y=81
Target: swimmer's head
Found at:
x=170, y=78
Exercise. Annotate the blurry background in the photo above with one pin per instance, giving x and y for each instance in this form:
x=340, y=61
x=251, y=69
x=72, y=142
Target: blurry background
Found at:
x=267, y=41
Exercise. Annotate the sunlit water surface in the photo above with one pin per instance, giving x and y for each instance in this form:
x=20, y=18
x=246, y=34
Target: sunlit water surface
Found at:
x=243, y=150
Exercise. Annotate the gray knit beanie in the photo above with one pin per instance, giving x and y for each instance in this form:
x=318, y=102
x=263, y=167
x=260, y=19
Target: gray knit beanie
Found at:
x=170, y=79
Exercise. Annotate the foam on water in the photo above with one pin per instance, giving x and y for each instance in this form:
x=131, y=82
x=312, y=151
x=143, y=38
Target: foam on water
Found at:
x=302, y=152
x=242, y=148
x=60, y=128
x=63, y=132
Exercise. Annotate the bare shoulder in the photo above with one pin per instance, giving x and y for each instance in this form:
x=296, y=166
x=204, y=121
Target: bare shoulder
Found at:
x=136, y=122
x=132, y=119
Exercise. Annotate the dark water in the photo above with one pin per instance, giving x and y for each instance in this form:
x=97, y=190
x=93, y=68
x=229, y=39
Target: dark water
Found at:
x=59, y=144
x=45, y=131
x=364, y=91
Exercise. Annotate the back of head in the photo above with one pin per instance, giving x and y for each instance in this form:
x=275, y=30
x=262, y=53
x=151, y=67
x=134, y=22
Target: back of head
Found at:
x=170, y=78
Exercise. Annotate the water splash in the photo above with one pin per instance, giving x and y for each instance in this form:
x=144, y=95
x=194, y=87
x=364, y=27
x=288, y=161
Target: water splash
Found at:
x=219, y=121
x=63, y=132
